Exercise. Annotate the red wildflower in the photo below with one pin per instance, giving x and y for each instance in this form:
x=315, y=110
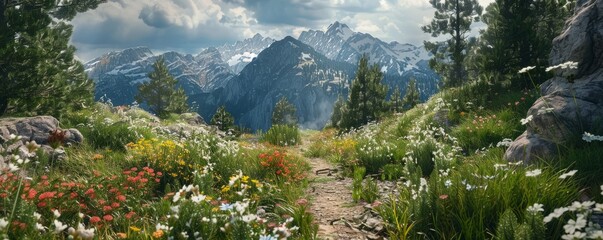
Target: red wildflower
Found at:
x=108, y=218
x=95, y=219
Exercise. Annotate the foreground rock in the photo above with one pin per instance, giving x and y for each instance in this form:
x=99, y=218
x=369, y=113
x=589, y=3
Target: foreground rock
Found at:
x=37, y=129
x=572, y=101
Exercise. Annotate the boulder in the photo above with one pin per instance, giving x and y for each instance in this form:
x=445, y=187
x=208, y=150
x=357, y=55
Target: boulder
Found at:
x=572, y=101
x=36, y=129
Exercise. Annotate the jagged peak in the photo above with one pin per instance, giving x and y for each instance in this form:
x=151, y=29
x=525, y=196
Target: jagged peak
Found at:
x=340, y=29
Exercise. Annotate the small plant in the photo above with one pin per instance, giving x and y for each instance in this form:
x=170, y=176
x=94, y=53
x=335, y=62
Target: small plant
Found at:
x=370, y=190
x=283, y=135
x=57, y=138
x=280, y=166
x=357, y=183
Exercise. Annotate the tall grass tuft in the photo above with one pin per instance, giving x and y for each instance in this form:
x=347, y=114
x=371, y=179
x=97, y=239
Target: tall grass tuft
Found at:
x=282, y=135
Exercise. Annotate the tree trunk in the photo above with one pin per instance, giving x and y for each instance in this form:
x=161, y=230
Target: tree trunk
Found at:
x=3, y=105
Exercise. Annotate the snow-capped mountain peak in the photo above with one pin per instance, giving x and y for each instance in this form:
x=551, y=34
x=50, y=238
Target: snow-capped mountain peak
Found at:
x=239, y=54
x=339, y=29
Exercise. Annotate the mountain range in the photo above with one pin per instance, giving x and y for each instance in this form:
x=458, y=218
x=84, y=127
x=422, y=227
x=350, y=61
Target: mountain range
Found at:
x=249, y=76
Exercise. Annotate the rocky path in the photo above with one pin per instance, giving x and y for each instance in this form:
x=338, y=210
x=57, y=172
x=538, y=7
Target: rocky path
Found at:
x=336, y=214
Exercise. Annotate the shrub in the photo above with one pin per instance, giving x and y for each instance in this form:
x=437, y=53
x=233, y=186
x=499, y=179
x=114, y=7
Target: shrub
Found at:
x=113, y=135
x=373, y=155
x=282, y=135
x=279, y=166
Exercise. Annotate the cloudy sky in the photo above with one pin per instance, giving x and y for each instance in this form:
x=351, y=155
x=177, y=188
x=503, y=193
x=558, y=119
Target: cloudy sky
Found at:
x=190, y=25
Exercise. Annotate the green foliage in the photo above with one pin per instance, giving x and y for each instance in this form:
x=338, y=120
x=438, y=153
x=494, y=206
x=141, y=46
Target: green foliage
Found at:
x=453, y=17
x=223, y=119
x=411, y=98
x=519, y=35
x=370, y=190
x=112, y=135
x=373, y=154
x=160, y=93
x=392, y=172
x=30, y=39
x=367, y=96
x=359, y=173
x=282, y=135
x=456, y=203
x=507, y=225
x=477, y=131
x=284, y=113
x=38, y=72
x=395, y=104
x=339, y=110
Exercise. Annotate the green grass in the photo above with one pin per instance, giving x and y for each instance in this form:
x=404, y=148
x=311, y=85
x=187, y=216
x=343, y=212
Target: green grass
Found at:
x=467, y=202
x=477, y=131
x=282, y=135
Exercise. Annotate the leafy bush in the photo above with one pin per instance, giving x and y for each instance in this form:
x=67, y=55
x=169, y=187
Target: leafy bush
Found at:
x=282, y=135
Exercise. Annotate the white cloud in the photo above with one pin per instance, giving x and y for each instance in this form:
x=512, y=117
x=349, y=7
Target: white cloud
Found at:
x=188, y=25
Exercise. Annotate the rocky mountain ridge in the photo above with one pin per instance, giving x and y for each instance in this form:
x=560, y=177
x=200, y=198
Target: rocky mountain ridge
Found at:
x=226, y=74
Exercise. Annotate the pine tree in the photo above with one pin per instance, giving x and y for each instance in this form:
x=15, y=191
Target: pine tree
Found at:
x=367, y=96
x=38, y=72
x=223, y=119
x=160, y=93
x=411, y=98
x=519, y=34
x=453, y=17
x=395, y=101
x=284, y=113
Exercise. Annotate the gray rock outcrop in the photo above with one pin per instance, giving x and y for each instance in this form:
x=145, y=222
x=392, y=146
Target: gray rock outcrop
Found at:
x=36, y=129
x=572, y=101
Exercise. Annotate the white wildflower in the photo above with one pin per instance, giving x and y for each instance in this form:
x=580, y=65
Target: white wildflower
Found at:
x=526, y=120
x=545, y=111
x=597, y=234
x=59, y=226
x=248, y=218
x=505, y=143
x=533, y=173
x=589, y=137
x=565, y=65
x=40, y=227
x=56, y=213
x=555, y=214
x=575, y=235
x=526, y=69
x=573, y=225
x=537, y=207
x=568, y=174
x=3, y=223
x=581, y=206
x=198, y=198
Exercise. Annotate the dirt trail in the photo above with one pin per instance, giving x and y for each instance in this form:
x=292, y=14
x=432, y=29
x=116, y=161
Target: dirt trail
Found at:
x=331, y=201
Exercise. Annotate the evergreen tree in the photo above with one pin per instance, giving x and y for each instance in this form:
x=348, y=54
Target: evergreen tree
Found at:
x=38, y=72
x=411, y=98
x=160, y=93
x=452, y=17
x=395, y=101
x=519, y=34
x=284, y=113
x=339, y=110
x=367, y=96
x=223, y=119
